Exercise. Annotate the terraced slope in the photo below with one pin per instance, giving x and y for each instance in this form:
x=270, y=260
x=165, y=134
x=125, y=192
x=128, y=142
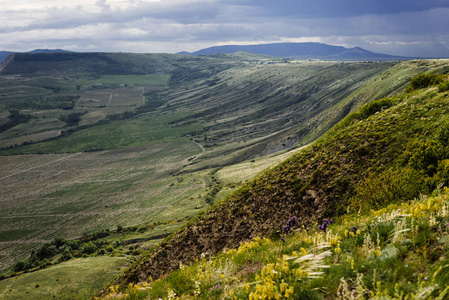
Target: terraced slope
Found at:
x=390, y=150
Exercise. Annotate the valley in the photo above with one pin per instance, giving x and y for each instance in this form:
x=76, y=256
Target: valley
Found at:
x=133, y=140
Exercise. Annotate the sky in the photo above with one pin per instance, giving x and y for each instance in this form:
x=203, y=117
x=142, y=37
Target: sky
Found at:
x=397, y=27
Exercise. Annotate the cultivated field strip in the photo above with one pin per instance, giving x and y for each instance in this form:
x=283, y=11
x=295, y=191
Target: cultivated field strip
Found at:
x=66, y=195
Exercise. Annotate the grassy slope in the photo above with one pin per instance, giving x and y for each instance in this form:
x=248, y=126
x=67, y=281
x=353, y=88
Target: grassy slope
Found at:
x=263, y=109
x=398, y=252
x=76, y=279
x=322, y=179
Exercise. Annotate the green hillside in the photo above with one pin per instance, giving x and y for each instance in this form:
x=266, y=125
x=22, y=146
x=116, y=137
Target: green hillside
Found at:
x=390, y=151
x=150, y=151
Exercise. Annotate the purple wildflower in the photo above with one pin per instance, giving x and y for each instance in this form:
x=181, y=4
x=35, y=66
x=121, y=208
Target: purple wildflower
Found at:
x=216, y=287
x=354, y=229
x=251, y=268
x=290, y=224
x=323, y=228
x=326, y=222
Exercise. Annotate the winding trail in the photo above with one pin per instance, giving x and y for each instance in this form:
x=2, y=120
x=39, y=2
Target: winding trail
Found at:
x=191, y=159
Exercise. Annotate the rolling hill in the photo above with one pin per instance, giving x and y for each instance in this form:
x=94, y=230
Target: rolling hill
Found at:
x=300, y=51
x=144, y=141
x=5, y=54
x=388, y=151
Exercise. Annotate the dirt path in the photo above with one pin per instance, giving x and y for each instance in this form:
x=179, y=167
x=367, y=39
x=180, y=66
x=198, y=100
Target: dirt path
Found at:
x=36, y=167
x=110, y=99
x=191, y=159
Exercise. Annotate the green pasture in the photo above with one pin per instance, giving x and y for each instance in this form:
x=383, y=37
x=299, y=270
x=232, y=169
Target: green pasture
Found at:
x=125, y=96
x=76, y=279
x=66, y=195
x=247, y=170
x=145, y=130
x=125, y=80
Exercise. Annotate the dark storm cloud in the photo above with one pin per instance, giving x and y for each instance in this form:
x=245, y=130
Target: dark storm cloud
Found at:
x=339, y=8
x=394, y=26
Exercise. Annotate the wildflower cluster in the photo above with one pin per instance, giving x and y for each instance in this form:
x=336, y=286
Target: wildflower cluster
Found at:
x=247, y=246
x=251, y=268
x=290, y=223
x=133, y=291
x=277, y=280
x=326, y=222
x=367, y=254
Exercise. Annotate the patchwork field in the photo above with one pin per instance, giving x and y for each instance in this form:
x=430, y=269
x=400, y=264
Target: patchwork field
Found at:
x=66, y=195
x=47, y=99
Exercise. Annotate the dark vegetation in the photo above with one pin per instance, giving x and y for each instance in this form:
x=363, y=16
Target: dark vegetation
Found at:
x=214, y=187
x=65, y=249
x=71, y=119
x=118, y=242
x=15, y=118
x=66, y=102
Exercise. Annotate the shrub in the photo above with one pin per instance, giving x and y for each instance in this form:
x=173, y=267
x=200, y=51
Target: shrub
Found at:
x=425, y=155
x=375, y=106
x=390, y=186
x=66, y=255
x=444, y=86
x=20, y=266
x=443, y=133
x=425, y=80
x=89, y=248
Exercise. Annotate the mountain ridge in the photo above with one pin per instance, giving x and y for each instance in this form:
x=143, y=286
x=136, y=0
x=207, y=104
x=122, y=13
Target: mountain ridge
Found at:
x=300, y=50
x=5, y=54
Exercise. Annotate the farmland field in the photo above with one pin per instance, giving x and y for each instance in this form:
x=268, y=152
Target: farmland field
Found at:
x=80, y=279
x=55, y=195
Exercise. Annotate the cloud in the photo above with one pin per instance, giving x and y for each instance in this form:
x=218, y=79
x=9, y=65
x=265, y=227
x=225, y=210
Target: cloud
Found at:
x=339, y=9
x=393, y=26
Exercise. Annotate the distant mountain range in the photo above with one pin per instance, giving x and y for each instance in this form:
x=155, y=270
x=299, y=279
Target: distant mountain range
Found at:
x=283, y=50
x=4, y=54
x=300, y=50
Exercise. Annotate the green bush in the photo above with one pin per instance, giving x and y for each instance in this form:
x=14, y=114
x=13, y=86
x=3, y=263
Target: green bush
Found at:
x=442, y=133
x=390, y=186
x=89, y=248
x=66, y=255
x=425, y=80
x=444, y=86
x=425, y=156
x=20, y=266
x=374, y=107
